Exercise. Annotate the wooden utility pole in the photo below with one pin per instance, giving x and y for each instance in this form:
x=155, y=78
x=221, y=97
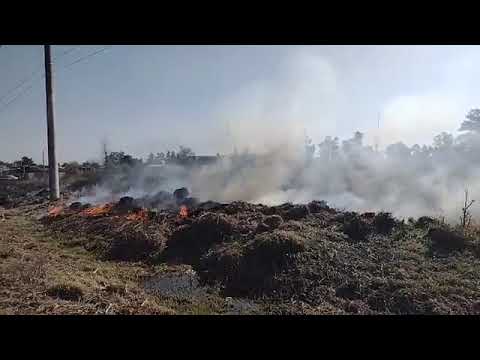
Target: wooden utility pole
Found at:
x=53, y=179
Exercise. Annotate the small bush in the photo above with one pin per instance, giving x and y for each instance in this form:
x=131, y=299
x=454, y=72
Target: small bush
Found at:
x=190, y=242
x=134, y=246
x=277, y=243
x=222, y=263
x=425, y=222
x=317, y=206
x=296, y=212
x=262, y=227
x=273, y=221
x=356, y=228
x=249, y=268
x=384, y=223
x=445, y=240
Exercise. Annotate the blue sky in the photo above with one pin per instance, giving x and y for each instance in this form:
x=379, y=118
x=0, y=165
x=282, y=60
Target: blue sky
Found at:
x=151, y=98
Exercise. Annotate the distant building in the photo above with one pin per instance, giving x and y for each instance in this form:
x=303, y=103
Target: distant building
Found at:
x=4, y=169
x=36, y=172
x=87, y=169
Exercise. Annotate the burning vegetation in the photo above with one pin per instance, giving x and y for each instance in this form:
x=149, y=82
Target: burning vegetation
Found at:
x=297, y=258
x=55, y=211
x=183, y=213
x=97, y=210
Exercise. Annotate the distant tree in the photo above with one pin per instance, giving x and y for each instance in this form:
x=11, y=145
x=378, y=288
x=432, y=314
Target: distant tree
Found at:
x=427, y=150
x=115, y=159
x=127, y=160
x=416, y=149
x=159, y=158
x=398, y=151
x=328, y=148
x=309, y=149
x=353, y=144
x=357, y=138
x=472, y=122
x=151, y=158
x=71, y=167
x=443, y=141
x=91, y=164
x=26, y=161
x=185, y=152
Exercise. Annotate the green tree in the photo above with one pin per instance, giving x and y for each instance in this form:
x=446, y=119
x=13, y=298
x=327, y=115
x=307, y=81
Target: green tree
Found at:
x=151, y=158
x=443, y=141
x=398, y=151
x=115, y=159
x=71, y=167
x=328, y=148
x=185, y=152
x=91, y=164
x=354, y=143
x=26, y=161
x=472, y=122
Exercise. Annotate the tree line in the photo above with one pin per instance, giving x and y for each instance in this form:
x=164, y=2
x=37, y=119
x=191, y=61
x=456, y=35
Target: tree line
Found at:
x=468, y=142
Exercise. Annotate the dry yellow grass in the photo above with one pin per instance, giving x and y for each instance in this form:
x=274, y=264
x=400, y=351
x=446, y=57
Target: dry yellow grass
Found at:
x=40, y=275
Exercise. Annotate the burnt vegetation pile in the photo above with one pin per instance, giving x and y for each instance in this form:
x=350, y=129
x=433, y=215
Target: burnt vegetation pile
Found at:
x=298, y=258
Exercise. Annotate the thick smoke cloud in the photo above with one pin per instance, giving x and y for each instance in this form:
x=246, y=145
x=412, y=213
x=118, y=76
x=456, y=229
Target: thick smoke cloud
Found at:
x=266, y=123
x=402, y=180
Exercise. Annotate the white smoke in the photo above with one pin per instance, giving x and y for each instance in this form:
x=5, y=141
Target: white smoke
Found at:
x=270, y=119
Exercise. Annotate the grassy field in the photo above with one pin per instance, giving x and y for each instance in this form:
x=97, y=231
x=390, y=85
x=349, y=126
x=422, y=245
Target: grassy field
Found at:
x=236, y=258
x=43, y=273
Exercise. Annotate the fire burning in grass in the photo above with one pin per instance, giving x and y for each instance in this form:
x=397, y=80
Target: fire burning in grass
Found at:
x=55, y=211
x=183, y=212
x=98, y=210
x=141, y=215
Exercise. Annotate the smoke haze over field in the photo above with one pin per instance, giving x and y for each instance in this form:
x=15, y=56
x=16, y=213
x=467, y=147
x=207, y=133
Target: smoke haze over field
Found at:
x=407, y=181
x=263, y=100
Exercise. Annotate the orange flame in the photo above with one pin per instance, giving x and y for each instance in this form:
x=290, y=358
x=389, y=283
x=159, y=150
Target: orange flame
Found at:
x=141, y=215
x=98, y=210
x=55, y=211
x=183, y=212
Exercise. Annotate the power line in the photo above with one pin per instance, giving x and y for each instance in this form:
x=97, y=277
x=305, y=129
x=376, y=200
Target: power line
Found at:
x=87, y=56
x=32, y=75
x=68, y=51
x=23, y=82
x=2, y=109
x=15, y=98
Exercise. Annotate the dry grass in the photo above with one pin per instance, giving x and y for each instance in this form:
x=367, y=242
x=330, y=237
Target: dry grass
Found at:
x=322, y=262
x=53, y=273
x=40, y=275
